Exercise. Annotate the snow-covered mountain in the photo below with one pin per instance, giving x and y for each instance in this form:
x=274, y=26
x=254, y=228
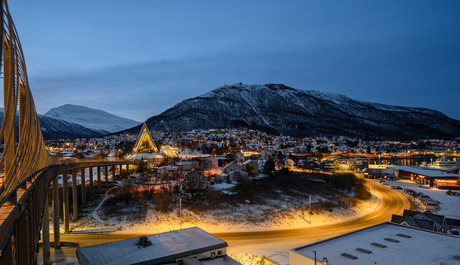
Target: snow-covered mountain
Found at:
x=289, y=111
x=94, y=119
x=59, y=129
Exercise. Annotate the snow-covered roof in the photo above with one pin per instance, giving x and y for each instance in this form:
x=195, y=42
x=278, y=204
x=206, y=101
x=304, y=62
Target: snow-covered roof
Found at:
x=224, y=260
x=387, y=243
x=136, y=156
x=166, y=247
x=426, y=171
x=233, y=163
x=247, y=162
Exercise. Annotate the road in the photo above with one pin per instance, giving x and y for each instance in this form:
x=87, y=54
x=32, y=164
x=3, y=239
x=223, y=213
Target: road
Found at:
x=275, y=244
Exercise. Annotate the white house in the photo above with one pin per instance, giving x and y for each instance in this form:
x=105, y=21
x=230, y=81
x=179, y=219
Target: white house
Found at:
x=232, y=167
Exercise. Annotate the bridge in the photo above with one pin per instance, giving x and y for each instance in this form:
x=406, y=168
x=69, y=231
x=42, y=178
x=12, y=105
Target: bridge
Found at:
x=30, y=171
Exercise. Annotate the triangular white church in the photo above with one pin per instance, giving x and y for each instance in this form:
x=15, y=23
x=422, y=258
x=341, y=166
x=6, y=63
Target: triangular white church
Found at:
x=144, y=142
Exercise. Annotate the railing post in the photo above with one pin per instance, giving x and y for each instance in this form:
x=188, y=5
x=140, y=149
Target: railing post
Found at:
x=46, y=233
x=99, y=179
x=74, y=195
x=65, y=202
x=9, y=100
x=91, y=187
x=57, y=235
x=13, y=198
x=83, y=187
x=106, y=176
x=113, y=173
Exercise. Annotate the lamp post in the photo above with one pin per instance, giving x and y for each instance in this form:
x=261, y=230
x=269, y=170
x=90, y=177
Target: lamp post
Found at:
x=309, y=206
x=180, y=212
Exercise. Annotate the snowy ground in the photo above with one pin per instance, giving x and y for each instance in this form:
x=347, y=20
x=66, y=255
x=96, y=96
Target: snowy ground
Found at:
x=214, y=221
x=220, y=220
x=272, y=215
x=450, y=204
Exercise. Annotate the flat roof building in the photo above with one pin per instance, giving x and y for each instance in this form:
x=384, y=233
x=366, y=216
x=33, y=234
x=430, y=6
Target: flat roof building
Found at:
x=428, y=176
x=385, y=243
x=186, y=246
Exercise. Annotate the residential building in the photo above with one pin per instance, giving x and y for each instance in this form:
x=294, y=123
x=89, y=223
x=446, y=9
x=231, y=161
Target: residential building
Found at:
x=251, y=167
x=232, y=167
x=194, y=181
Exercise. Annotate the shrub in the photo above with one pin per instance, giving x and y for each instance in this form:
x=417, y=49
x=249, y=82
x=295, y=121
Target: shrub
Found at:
x=162, y=199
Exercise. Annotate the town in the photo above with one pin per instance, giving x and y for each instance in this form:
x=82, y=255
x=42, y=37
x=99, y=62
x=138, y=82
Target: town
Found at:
x=229, y=133
x=211, y=150
x=205, y=178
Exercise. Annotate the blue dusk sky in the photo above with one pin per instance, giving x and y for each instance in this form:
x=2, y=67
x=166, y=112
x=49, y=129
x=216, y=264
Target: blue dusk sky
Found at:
x=138, y=58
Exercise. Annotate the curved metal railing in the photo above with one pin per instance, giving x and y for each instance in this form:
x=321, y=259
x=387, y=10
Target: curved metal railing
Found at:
x=24, y=152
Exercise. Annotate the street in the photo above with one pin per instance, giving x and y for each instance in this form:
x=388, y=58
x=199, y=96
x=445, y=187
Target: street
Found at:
x=274, y=244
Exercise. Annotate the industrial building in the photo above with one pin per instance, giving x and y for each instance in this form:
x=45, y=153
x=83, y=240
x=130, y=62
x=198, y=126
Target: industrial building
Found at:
x=428, y=176
x=385, y=243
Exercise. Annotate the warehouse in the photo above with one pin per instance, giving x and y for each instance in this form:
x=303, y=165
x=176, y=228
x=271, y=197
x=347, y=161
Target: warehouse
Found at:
x=385, y=243
x=428, y=176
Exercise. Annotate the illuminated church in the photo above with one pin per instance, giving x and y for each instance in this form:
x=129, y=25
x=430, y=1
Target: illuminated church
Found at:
x=144, y=143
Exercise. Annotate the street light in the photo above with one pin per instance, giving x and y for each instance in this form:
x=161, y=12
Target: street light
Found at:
x=309, y=206
x=180, y=212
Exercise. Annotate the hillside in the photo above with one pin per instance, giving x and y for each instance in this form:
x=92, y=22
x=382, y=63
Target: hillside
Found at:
x=288, y=111
x=94, y=119
x=58, y=129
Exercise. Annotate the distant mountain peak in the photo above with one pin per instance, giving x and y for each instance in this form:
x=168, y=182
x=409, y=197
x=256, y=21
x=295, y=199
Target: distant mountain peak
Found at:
x=289, y=111
x=94, y=119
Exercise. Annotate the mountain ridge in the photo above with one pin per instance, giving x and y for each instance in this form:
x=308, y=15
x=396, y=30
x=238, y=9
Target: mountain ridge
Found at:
x=289, y=111
x=58, y=129
x=94, y=119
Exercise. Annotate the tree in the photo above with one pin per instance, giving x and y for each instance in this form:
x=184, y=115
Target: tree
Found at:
x=163, y=199
x=249, y=169
x=141, y=166
x=269, y=166
x=214, y=197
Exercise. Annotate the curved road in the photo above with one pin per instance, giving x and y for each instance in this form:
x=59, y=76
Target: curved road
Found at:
x=276, y=244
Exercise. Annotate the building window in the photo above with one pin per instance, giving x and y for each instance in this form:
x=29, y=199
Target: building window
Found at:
x=213, y=254
x=219, y=252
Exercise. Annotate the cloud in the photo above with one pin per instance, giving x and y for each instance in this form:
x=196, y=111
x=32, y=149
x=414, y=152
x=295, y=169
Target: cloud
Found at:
x=397, y=75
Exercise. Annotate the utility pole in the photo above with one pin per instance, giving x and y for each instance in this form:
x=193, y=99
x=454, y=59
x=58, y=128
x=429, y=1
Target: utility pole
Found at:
x=315, y=256
x=309, y=206
x=180, y=212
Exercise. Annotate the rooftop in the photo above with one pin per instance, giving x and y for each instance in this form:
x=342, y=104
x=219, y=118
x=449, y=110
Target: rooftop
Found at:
x=166, y=248
x=386, y=243
x=425, y=171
